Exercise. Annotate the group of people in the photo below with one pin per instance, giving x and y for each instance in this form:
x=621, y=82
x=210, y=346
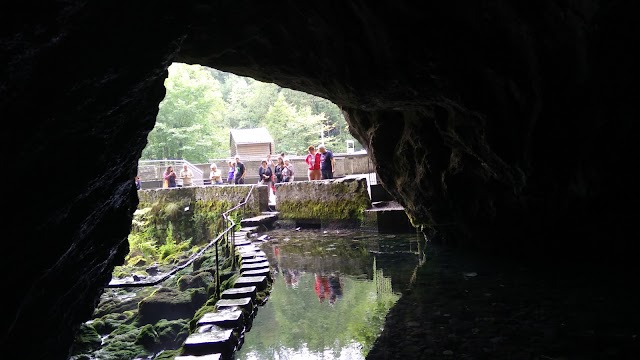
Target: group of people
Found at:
x=235, y=173
x=170, y=177
x=328, y=287
x=282, y=171
x=321, y=165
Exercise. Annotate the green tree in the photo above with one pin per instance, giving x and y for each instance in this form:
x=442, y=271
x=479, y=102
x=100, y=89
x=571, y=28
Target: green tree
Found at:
x=202, y=105
x=335, y=127
x=293, y=130
x=190, y=123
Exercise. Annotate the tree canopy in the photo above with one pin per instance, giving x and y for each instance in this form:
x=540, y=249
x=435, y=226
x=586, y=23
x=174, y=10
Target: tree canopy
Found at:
x=202, y=105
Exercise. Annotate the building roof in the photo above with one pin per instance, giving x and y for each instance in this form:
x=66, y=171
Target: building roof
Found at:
x=251, y=136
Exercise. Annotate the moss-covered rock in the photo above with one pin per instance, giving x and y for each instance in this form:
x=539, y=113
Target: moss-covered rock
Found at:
x=171, y=304
x=202, y=279
x=87, y=340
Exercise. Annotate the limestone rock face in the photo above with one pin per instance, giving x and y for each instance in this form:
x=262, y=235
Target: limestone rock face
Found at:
x=496, y=125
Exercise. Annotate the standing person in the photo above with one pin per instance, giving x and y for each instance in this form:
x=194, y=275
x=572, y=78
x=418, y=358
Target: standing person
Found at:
x=287, y=171
x=278, y=170
x=288, y=168
x=138, y=183
x=271, y=164
x=215, y=175
x=321, y=286
x=232, y=169
x=238, y=175
x=265, y=174
x=186, y=175
x=313, y=161
x=269, y=160
x=335, y=287
x=170, y=178
x=327, y=162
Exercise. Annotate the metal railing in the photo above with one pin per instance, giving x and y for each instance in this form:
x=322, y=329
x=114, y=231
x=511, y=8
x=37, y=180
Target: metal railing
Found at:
x=224, y=235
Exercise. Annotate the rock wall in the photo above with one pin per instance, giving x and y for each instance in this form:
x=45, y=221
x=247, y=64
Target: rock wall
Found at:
x=496, y=125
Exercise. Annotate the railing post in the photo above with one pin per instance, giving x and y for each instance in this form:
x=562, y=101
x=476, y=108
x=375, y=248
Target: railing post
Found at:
x=217, y=273
x=233, y=248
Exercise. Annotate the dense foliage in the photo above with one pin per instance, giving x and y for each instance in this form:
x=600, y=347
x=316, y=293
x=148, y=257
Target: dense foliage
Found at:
x=202, y=105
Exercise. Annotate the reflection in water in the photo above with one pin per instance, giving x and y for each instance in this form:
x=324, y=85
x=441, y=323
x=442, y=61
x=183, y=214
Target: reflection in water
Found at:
x=331, y=293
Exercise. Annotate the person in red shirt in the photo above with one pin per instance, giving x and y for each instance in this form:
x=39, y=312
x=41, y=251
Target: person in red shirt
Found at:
x=321, y=287
x=313, y=161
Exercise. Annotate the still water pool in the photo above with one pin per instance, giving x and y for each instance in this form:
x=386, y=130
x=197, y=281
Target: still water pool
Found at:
x=331, y=292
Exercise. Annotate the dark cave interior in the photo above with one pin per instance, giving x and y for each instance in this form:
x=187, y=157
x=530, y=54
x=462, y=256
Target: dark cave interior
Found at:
x=516, y=123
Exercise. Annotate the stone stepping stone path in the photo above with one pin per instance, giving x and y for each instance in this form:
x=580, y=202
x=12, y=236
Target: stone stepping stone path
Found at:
x=219, y=334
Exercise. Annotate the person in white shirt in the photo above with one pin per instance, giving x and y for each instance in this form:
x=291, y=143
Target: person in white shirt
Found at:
x=186, y=175
x=215, y=175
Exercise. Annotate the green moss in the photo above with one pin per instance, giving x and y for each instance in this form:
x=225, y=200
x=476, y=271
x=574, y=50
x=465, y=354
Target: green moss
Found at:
x=207, y=308
x=334, y=210
x=87, y=340
x=169, y=354
x=147, y=337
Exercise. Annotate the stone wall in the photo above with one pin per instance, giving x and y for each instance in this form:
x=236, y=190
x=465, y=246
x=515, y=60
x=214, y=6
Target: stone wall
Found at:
x=327, y=200
x=257, y=203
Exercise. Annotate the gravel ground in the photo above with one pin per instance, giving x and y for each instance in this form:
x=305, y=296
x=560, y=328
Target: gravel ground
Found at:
x=465, y=306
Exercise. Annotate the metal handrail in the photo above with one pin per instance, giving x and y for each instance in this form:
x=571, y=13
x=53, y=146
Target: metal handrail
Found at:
x=223, y=234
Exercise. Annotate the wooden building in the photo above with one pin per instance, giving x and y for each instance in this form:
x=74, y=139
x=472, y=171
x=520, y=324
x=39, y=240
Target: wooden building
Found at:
x=250, y=143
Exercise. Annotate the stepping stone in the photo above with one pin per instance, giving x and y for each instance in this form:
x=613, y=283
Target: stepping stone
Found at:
x=261, y=265
x=227, y=318
x=248, y=248
x=254, y=260
x=203, y=357
x=241, y=242
x=260, y=282
x=259, y=220
x=241, y=292
x=249, y=255
x=245, y=303
x=238, y=235
x=266, y=272
x=250, y=229
x=220, y=341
